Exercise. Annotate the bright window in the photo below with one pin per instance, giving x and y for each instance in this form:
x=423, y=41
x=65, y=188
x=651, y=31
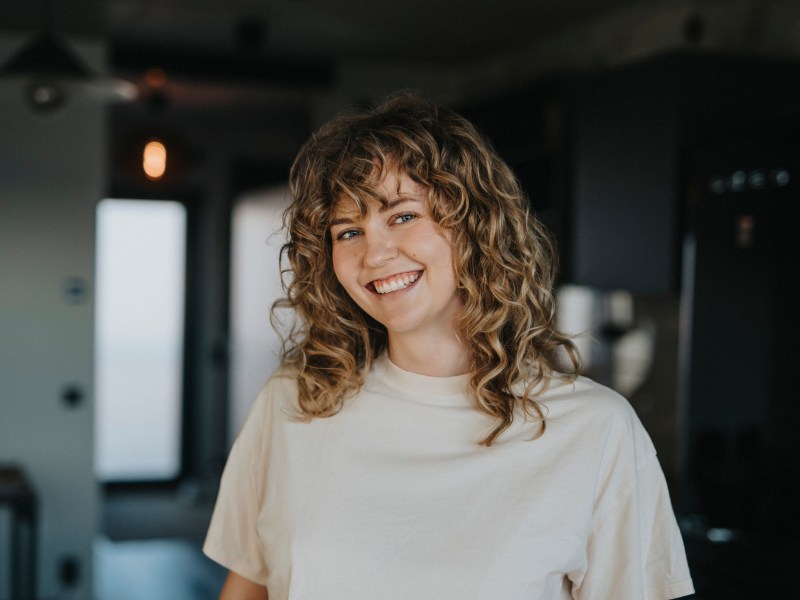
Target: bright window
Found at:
x=139, y=338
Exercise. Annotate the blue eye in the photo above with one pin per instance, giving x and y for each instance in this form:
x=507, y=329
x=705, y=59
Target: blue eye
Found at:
x=347, y=234
x=404, y=218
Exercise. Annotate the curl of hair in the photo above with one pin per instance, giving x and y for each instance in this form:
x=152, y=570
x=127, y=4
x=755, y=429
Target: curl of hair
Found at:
x=504, y=259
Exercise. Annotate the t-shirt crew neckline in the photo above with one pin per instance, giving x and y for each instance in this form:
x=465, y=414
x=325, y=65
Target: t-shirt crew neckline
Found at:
x=439, y=390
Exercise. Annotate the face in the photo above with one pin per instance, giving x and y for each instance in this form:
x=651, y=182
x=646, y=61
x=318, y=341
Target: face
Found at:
x=396, y=262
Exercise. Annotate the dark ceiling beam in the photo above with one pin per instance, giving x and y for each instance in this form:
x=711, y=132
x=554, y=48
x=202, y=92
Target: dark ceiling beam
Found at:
x=126, y=59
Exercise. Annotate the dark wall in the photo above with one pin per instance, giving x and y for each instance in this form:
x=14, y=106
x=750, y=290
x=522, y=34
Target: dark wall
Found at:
x=741, y=471
x=625, y=178
x=636, y=133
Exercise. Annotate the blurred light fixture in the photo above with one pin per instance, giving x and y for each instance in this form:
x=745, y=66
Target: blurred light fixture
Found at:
x=49, y=73
x=154, y=160
x=154, y=94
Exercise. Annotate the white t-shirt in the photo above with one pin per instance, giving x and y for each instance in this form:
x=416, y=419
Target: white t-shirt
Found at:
x=393, y=498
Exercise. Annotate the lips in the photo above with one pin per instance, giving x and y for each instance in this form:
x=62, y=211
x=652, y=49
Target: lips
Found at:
x=395, y=283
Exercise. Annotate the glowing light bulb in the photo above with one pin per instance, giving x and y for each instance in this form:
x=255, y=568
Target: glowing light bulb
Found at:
x=154, y=160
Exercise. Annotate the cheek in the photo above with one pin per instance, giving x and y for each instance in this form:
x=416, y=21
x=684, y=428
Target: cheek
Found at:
x=337, y=260
x=433, y=246
x=344, y=270
x=441, y=251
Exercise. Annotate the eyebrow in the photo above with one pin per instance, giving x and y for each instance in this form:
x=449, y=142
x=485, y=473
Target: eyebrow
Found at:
x=389, y=206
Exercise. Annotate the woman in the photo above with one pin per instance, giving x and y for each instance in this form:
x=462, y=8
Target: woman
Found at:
x=428, y=435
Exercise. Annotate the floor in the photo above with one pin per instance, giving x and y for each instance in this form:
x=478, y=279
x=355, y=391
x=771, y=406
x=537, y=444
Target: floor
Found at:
x=156, y=569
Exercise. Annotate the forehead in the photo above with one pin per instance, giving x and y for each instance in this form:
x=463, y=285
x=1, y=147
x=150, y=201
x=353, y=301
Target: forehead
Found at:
x=377, y=194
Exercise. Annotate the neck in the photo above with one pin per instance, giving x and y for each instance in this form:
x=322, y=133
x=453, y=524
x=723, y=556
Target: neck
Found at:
x=433, y=357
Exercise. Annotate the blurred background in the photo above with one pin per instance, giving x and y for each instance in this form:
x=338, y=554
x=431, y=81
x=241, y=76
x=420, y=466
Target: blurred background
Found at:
x=144, y=153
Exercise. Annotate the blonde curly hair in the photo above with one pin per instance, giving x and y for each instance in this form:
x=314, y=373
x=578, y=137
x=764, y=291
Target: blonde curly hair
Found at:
x=504, y=260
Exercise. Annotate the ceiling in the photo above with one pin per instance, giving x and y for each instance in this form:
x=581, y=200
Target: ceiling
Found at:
x=432, y=31
x=245, y=50
x=299, y=43
x=450, y=31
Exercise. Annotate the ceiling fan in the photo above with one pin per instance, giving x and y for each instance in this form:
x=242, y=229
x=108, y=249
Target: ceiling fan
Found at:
x=50, y=74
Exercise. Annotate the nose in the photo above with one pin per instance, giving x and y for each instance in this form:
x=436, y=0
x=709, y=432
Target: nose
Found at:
x=379, y=250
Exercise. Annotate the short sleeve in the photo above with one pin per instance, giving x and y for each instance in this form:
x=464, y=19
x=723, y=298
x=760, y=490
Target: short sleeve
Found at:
x=635, y=549
x=232, y=539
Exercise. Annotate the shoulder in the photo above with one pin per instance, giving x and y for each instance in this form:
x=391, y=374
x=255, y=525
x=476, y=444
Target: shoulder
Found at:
x=281, y=383
x=280, y=391
x=599, y=413
x=276, y=402
x=586, y=396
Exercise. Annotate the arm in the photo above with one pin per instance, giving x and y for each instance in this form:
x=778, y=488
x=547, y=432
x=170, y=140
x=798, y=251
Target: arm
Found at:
x=240, y=588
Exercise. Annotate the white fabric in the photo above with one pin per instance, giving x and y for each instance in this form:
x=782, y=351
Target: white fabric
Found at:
x=393, y=498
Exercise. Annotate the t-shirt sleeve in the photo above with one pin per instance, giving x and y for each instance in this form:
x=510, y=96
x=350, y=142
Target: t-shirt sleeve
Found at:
x=635, y=549
x=232, y=539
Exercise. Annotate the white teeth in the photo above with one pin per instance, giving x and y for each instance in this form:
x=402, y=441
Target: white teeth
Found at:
x=396, y=284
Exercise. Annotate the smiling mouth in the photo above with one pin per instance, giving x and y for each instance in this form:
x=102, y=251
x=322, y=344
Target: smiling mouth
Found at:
x=395, y=283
